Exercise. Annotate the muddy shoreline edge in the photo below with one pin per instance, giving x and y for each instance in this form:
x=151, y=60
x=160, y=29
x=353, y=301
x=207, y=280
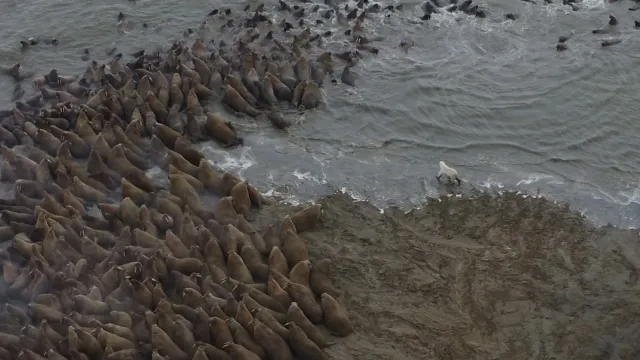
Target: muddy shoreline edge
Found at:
x=491, y=276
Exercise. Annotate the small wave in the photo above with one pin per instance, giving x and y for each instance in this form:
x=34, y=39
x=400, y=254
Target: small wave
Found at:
x=237, y=160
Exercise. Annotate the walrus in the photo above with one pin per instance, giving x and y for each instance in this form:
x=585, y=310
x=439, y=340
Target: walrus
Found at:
x=336, y=318
x=194, y=182
x=239, y=352
x=275, y=347
x=278, y=261
x=166, y=134
x=47, y=142
x=286, y=74
x=294, y=248
x=243, y=337
x=347, y=77
x=227, y=239
x=236, y=83
x=240, y=198
x=184, y=147
x=224, y=211
x=302, y=345
x=312, y=96
x=235, y=101
x=612, y=22
x=266, y=89
x=278, y=120
x=306, y=300
x=280, y=89
x=297, y=316
x=252, y=82
x=173, y=119
x=86, y=192
x=610, y=42
x=302, y=69
x=208, y=176
x=222, y=130
x=181, y=163
x=202, y=69
x=98, y=170
x=298, y=92
x=7, y=137
x=166, y=347
x=176, y=96
x=300, y=273
x=237, y=268
x=307, y=218
x=118, y=161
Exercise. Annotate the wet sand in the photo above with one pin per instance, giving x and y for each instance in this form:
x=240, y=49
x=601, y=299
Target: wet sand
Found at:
x=496, y=277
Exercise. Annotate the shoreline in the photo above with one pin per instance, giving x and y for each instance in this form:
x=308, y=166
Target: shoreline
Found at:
x=500, y=277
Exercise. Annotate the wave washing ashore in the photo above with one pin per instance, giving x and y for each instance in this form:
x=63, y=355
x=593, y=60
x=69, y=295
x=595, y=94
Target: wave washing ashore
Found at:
x=106, y=259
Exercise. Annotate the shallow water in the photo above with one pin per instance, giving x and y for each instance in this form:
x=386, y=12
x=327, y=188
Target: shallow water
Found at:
x=491, y=97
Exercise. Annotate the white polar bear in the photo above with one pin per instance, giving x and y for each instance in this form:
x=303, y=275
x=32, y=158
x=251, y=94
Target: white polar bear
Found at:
x=451, y=173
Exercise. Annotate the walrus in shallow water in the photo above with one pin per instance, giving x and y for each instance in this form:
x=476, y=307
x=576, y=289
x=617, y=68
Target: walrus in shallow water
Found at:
x=267, y=91
x=607, y=29
x=183, y=147
x=312, y=96
x=236, y=102
x=298, y=92
x=278, y=120
x=281, y=90
x=222, y=130
x=208, y=176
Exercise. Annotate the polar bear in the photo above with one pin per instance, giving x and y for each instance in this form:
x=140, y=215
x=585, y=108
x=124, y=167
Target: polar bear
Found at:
x=451, y=173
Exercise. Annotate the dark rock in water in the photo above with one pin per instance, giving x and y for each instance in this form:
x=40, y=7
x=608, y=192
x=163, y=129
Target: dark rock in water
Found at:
x=561, y=47
x=563, y=39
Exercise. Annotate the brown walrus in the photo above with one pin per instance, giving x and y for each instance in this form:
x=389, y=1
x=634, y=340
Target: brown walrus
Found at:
x=302, y=346
x=274, y=346
x=307, y=218
x=236, y=102
x=222, y=130
x=312, y=96
x=184, y=147
x=281, y=90
x=240, y=197
x=297, y=316
x=208, y=176
x=303, y=296
x=166, y=134
x=335, y=317
x=294, y=248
